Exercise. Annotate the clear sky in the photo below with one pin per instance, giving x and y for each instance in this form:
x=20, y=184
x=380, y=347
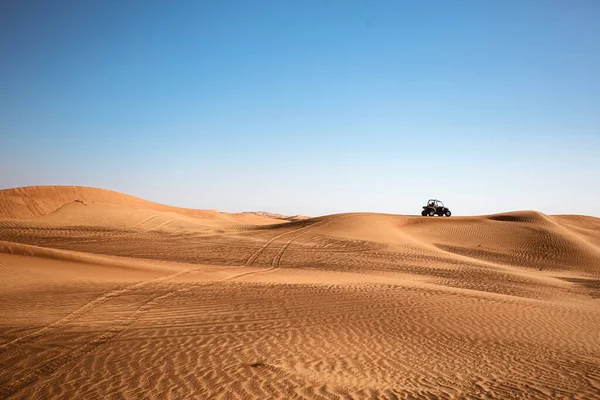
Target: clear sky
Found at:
x=307, y=107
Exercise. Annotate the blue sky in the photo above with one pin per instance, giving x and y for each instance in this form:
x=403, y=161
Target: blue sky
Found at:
x=307, y=107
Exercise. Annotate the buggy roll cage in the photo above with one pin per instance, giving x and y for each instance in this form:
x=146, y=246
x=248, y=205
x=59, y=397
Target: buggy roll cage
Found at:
x=436, y=202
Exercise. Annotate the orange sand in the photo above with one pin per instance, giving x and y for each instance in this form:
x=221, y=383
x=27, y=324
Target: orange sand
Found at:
x=104, y=295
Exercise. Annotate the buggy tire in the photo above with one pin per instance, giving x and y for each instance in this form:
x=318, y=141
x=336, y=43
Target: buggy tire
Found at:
x=424, y=213
x=447, y=213
x=431, y=213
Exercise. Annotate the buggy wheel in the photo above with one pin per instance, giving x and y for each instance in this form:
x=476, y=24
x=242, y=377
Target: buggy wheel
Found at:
x=431, y=213
x=447, y=213
x=424, y=213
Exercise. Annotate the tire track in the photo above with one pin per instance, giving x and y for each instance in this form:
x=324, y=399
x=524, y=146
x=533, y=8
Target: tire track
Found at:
x=88, y=307
x=157, y=227
x=57, y=363
x=252, y=259
x=277, y=259
x=144, y=221
x=141, y=232
x=120, y=292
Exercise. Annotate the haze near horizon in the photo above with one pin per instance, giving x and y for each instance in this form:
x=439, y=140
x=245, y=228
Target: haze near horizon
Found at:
x=309, y=107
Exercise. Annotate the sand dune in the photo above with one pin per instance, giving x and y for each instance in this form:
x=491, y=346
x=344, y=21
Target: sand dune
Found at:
x=106, y=295
x=35, y=201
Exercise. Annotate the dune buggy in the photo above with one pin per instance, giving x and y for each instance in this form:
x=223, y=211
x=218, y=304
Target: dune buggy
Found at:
x=435, y=207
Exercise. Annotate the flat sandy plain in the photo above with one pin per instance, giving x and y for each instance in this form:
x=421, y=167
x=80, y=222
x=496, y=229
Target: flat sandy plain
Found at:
x=106, y=296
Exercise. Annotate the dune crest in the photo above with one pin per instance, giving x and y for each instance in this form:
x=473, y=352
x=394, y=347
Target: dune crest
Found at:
x=36, y=201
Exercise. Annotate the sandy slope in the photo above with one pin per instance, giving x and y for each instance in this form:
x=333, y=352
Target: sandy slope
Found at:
x=113, y=297
x=35, y=201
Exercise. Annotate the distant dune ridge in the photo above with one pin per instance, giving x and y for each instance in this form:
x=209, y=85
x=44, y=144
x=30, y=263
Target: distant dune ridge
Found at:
x=36, y=201
x=199, y=303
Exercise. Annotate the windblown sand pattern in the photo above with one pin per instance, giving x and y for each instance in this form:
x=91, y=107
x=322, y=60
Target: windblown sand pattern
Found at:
x=104, y=295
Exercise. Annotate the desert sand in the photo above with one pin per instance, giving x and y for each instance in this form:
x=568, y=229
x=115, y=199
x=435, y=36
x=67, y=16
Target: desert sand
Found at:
x=104, y=295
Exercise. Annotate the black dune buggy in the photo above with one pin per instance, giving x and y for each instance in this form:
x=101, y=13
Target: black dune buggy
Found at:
x=435, y=207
